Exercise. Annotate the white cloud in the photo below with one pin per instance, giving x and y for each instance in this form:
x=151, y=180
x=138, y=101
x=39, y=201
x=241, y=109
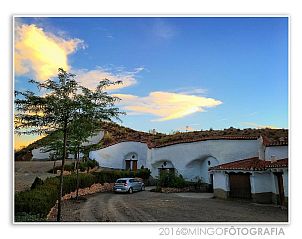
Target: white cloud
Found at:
x=41, y=53
x=90, y=78
x=190, y=90
x=166, y=105
x=257, y=126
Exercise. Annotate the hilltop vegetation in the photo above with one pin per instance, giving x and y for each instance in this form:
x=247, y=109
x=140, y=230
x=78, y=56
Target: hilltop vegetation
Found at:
x=114, y=133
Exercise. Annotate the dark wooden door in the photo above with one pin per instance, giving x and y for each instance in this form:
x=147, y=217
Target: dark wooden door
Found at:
x=280, y=188
x=134, y=165
x=128, y=164
x=240, y=186
x=211, y=183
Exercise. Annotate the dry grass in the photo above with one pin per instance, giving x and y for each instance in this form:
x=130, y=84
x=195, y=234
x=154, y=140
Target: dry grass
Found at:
x=27, y=171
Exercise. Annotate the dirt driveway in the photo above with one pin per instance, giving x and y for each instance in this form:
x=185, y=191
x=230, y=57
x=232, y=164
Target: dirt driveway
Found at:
x=160, y=207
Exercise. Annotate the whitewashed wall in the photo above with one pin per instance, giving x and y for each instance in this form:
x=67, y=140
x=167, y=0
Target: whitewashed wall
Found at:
x=221, y=181
x=184, y=156
x=114, y=156
x=261, y=182
x=280, y=152
x=39, y=155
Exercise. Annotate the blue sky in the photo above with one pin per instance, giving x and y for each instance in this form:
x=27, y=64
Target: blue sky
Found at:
x=205, y=72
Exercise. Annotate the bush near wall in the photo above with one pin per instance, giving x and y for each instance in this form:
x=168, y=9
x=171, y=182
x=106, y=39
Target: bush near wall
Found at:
x=35, y=204
x=112, y=176
x=171, y=180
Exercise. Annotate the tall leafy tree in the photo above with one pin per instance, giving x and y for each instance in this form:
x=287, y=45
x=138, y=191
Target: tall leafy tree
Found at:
x=65, y=102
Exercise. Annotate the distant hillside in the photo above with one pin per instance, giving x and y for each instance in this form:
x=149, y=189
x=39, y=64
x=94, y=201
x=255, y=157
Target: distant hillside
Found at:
x=115, y=133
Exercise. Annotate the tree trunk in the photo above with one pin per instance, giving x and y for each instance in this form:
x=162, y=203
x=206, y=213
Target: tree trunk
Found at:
x=62, y=171
x=78, y=181
x=54, y=167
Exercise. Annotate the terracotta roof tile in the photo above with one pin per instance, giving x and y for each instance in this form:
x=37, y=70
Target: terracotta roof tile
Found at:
x=252, y=164
x=283, y=141
x=281, y=163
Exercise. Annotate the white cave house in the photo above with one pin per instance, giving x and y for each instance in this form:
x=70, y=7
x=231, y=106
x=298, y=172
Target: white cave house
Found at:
x=241, y=167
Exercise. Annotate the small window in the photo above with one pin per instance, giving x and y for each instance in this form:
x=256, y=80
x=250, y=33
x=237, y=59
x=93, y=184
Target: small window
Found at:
x=209, y=163
x=131, y=180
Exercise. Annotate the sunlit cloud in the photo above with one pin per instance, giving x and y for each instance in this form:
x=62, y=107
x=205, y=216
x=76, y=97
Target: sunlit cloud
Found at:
x=190, y=91
x=90, y=78
x=166, y=105
x=257, y=126
x=40, y=53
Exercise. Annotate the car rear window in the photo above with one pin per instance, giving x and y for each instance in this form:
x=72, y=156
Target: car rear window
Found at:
x=121, y=181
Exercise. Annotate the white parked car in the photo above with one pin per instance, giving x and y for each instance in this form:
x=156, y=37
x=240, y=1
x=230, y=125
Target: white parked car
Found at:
x=128, y=185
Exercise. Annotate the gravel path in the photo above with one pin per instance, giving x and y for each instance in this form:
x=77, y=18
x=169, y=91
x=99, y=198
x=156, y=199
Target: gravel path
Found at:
x=148, y=206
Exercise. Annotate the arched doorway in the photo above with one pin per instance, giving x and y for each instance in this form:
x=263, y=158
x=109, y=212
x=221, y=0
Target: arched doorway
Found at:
x=198, y=169
x=163, y=166
x=131, y=161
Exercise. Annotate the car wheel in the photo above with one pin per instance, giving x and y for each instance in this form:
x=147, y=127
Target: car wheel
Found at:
x=130, y=190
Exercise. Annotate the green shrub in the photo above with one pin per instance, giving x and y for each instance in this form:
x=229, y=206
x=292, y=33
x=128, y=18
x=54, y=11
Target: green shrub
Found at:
x=107, y=176
x=69, y=167
x=70, y=182
x=82, y=166
x=143, y=173
x=39, y=200
x=42, y=198
x=38, y=181
x=112, y=176
x=26, y=217
x=92, y=163
x=168, y=179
